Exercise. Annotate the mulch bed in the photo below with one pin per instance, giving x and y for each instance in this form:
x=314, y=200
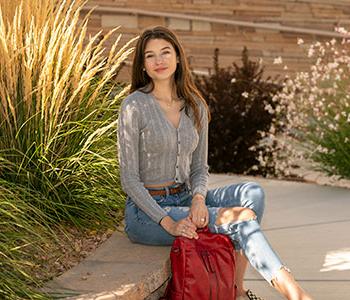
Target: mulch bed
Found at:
x=72, y=246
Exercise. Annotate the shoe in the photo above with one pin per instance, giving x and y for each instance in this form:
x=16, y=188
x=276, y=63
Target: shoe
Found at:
x=249, y=296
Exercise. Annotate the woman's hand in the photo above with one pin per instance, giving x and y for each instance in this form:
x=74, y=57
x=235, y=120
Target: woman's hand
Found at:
x=199, y=214
x=183, y=227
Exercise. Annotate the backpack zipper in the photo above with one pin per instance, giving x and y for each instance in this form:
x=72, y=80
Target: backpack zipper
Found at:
x=212, y=275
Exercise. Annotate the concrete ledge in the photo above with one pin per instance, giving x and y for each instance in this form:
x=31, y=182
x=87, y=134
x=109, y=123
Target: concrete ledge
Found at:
x=118, y=269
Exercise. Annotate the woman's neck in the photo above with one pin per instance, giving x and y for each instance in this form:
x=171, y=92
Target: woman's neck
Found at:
x=164, y=90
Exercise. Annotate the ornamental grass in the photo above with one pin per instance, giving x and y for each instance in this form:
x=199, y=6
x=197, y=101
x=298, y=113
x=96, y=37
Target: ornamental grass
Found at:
x=58, y=114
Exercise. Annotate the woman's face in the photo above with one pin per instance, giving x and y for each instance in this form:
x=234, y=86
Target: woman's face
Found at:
x=160, y=59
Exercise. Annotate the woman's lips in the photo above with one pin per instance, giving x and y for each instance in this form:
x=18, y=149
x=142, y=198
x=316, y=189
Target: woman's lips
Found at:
x=160, y=70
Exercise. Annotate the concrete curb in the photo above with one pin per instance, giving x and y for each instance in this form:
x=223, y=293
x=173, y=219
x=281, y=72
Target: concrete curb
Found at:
x=118, y=269
x=311, y=176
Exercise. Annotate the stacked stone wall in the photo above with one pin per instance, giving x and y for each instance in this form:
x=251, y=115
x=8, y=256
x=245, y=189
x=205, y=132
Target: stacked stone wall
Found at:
x=200, y=38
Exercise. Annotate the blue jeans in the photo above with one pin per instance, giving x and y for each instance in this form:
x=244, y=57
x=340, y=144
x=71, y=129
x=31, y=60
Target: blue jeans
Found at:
x=245, y=235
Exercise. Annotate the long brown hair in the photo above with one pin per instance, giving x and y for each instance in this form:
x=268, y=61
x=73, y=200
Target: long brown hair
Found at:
x=184, y=83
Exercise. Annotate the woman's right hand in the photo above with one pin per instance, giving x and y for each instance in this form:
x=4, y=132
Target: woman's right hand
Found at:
x=183, y=227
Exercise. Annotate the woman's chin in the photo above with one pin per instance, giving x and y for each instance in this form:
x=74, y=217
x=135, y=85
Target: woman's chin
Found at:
x=161, y=77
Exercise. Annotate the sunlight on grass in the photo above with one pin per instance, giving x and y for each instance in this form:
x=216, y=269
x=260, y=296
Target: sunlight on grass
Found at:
x=59, y=105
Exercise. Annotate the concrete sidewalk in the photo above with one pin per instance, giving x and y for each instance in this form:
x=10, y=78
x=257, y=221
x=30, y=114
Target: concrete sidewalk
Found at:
x=308, y=226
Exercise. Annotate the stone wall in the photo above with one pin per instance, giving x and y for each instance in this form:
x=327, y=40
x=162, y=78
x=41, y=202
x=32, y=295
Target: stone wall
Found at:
x=200, y=38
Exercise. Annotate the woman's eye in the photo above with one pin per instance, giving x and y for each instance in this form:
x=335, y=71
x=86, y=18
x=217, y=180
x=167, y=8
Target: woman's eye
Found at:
x=149, y=56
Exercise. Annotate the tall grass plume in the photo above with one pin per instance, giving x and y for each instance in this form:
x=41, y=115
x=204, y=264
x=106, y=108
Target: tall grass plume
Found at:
x=58, y=112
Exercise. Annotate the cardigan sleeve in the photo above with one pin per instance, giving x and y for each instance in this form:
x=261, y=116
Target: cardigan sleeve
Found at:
x=199, y=165
x=128, y=133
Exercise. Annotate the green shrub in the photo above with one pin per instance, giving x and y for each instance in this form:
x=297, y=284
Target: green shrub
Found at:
x=242, y=109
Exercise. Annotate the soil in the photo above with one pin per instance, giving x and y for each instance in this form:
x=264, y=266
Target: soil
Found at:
x=71, y=247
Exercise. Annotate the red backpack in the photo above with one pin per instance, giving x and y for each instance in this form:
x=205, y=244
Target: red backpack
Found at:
x=202, y=269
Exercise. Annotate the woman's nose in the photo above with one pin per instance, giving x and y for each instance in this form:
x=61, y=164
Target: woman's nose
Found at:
x=158, y=59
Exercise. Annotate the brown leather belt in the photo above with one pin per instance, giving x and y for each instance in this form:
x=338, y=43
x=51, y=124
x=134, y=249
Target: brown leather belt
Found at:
x=162, y=192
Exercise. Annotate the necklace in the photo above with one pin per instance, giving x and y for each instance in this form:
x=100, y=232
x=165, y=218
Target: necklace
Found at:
x=168, y=103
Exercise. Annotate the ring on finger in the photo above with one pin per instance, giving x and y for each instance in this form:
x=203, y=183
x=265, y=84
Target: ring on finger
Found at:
x=202, y=219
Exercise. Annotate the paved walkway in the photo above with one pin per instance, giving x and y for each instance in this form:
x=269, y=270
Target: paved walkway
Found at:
x=308, y=225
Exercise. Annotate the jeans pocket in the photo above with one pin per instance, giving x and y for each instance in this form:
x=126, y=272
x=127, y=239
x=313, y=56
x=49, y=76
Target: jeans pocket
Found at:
x=164, y=200
x=142, y=217
x=160, y=199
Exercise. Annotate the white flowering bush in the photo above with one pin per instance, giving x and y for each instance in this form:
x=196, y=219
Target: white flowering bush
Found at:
x=314, y=112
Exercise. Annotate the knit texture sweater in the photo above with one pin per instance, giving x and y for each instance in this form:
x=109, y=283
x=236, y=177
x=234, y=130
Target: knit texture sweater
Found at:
x=152, y=151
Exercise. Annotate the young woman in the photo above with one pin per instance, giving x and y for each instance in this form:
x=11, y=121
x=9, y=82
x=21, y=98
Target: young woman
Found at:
x=163, y=148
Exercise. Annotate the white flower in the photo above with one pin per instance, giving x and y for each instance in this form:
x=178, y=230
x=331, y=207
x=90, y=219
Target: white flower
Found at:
x=341, y=30
x=269, y=109
x=311, y=52
x=277, y=60
x=245, y=94
x=233, y=80
x=300, y=41
x=322, y=149
x=332, y=65
x=332, y=127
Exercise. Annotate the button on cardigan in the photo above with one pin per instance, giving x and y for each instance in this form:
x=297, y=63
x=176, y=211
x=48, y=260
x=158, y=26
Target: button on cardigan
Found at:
x=151, y=150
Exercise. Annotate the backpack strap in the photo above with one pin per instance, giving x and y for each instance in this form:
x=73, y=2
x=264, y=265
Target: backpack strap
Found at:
x=166, y=295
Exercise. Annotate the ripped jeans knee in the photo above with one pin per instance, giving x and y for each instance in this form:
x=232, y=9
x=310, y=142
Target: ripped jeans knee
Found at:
x=247, y=235
x=253, y=197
